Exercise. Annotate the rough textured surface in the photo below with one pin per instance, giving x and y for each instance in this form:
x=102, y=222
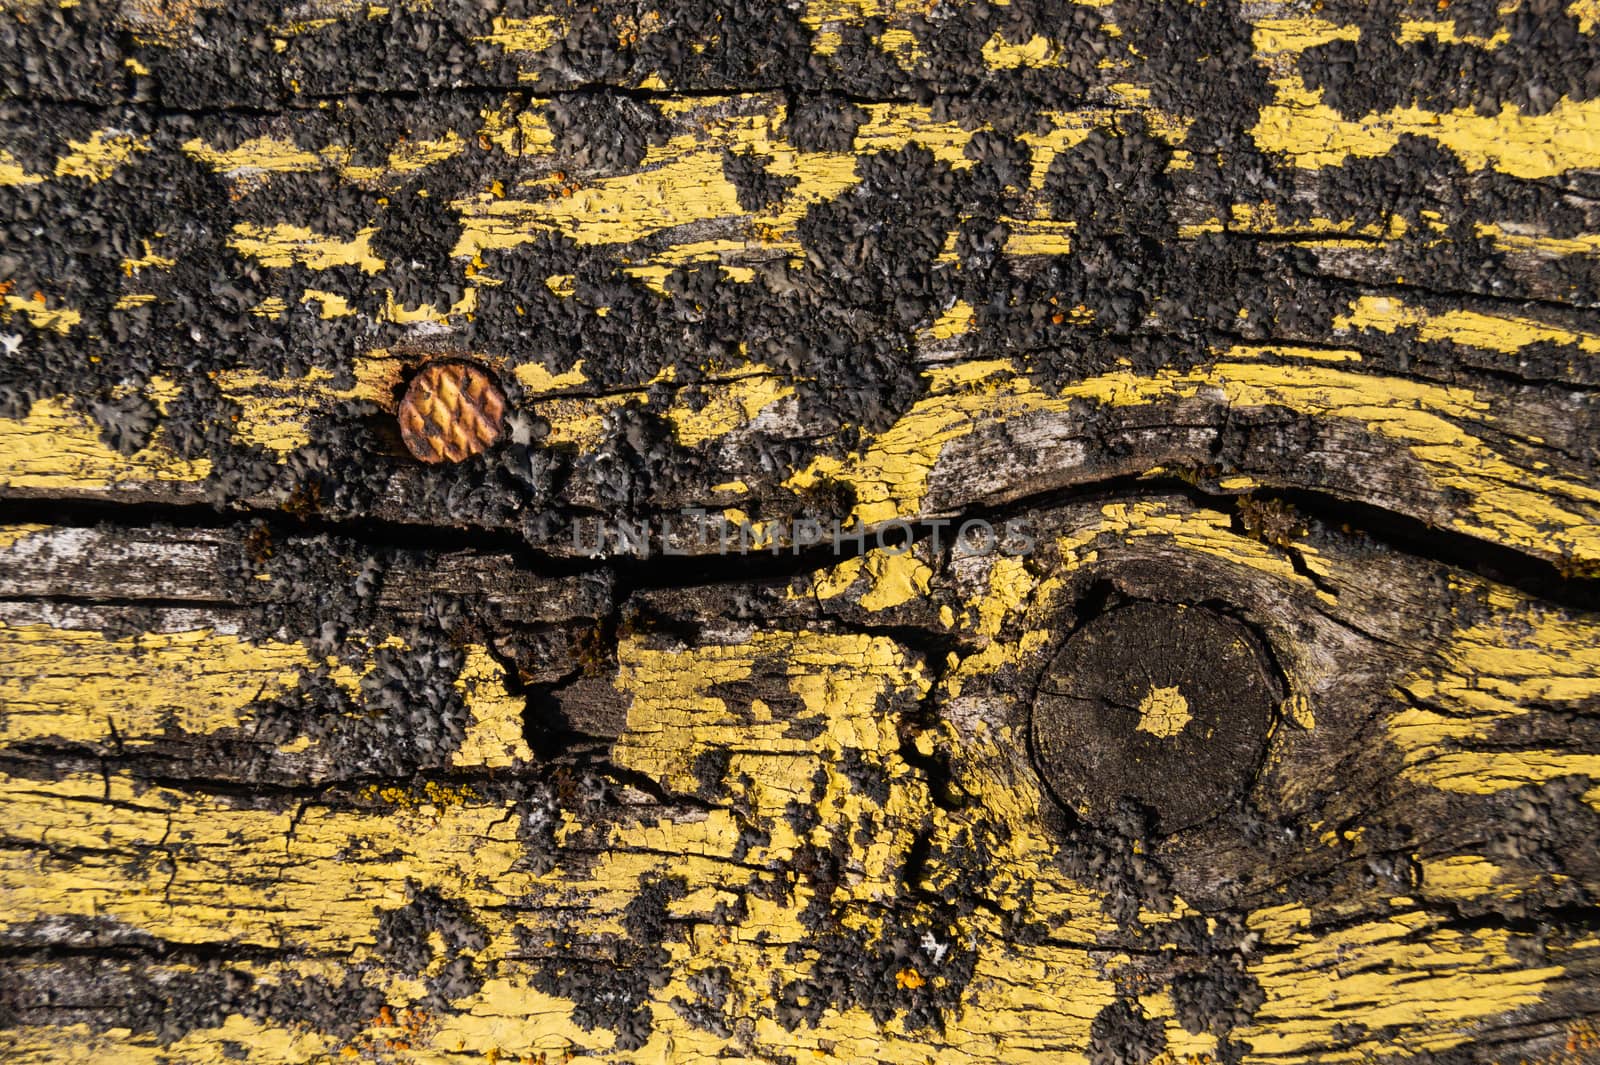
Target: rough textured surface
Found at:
x=451, y=411
x=1166, y=707
x=1259, y=323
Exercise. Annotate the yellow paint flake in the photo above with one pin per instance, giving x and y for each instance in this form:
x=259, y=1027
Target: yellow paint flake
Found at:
x=57, y=447
x=1275, y=35
x=261, y=155
x=1587, y=12
x=953, y=322
x=1163, y=712
x=1462, y=877
x=901, y=45
x=78, y=685
x=332, y=304
x=103, y=152
x=494, y=736
x=13, y=174
x=533, y=34
x=536, y=378
x=11, y=535
x=1444, y=31
x=39, y=313
x=730, y=405
x=1526, y=146
x=1044, y=237
x=892, y=578
x=286, y=245
x=1036, y=51
x=1492, y=332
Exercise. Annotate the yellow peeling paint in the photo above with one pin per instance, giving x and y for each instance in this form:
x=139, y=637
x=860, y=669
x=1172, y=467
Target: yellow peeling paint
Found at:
x=276, y=413
x=1314, y=135
x=332, y=304
x=613, y=210
x=533, y=34
x=1276, y=35
x=892, y=579
x=536, y=378
x=58, y=447
x=494, y=737
x=1531, y=238
x=1587, y=12
x=953, y=322
x=901, y=46
x=208, y=1046
x=1429, y=982
x=1462, y=877
x=287, y=245
x=12, y=173
x=40, y=314
x=245, y=877
x=78, y=685
x=1291, y=351
x=1444, y=31
x=1538, y=512
x=218, y=872
x=682, y=181
x=212, y=870
x=1488, y=674
x=1488, y=772
x=99, y=155
x=1506, y=333
x=729, y=406
x=11, y=535
x=1039, y=238
x=1036, y=51
x=261, y=154
x=277, y=155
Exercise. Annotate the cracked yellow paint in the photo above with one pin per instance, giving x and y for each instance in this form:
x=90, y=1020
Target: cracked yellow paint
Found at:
x=215, y=871
x=288, y=245
x=731, y=405
x=81, y=686
x=56, y=446
x=1163, y=712
x=1537, y=512
x=40, y=314
x=494, y=736
x=1431, y=986
x=1491, y=332
x=1313, y=135
x=1488, y=674
x=98, y=156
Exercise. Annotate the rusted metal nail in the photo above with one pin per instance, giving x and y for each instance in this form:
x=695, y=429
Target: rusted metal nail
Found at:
x=452, y=411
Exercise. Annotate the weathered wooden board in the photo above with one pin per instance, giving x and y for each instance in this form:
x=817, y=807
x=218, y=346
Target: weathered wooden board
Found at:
x=1269, y=732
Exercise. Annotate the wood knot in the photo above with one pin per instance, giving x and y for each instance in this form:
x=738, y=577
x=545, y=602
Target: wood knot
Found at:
x=452, y=411
x=1158, y=703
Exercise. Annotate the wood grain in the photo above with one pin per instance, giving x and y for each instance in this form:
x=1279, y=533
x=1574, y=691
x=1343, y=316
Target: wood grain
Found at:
x=1245, y=313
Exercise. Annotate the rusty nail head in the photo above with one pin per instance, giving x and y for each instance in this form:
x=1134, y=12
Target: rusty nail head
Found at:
x=452, y=411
